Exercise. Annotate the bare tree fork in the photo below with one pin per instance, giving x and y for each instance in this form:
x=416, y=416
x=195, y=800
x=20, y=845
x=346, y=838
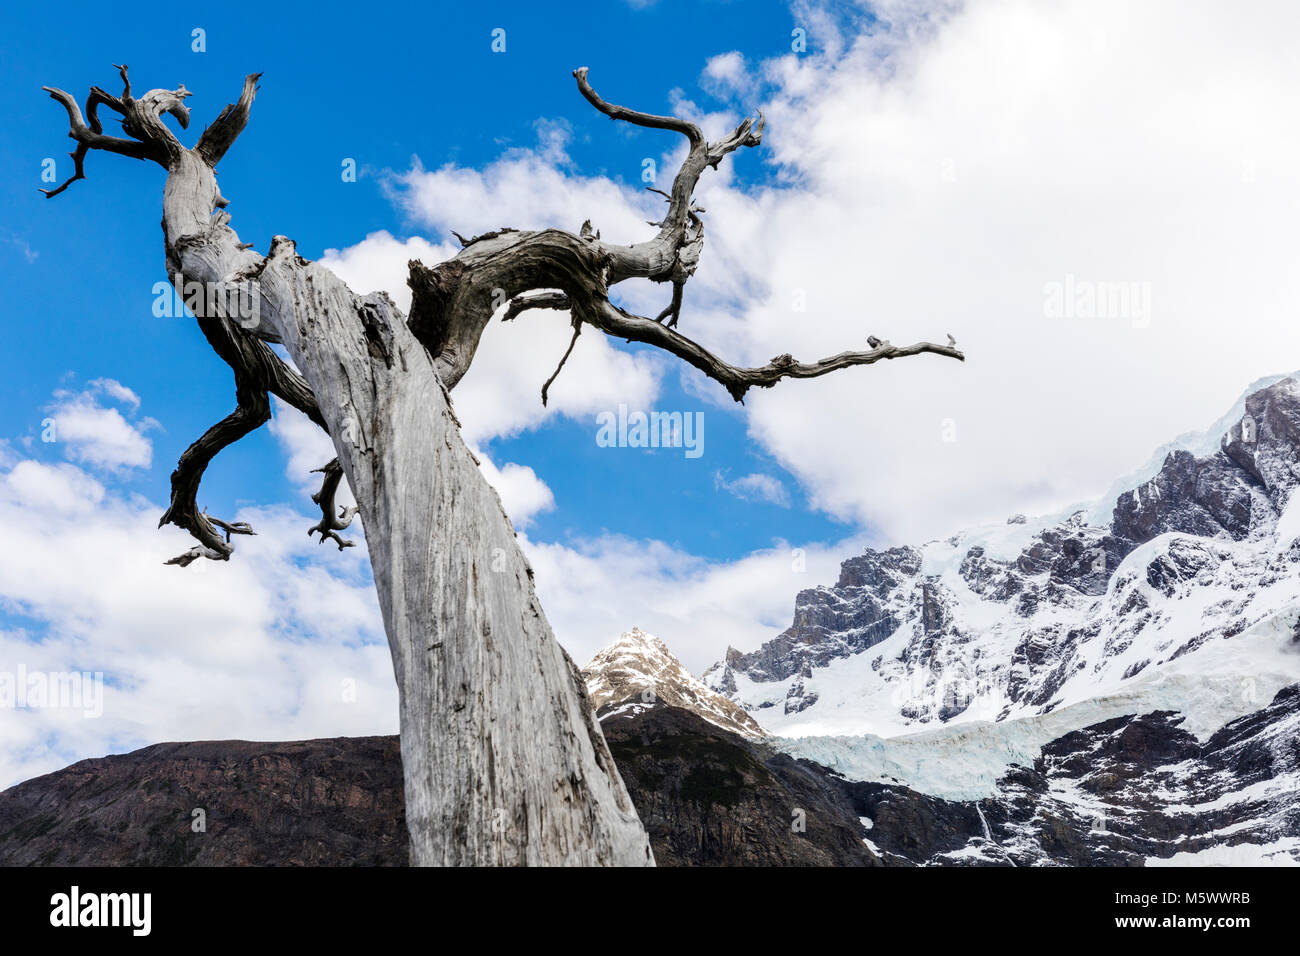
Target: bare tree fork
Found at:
x=504, y=761
x=452, y=302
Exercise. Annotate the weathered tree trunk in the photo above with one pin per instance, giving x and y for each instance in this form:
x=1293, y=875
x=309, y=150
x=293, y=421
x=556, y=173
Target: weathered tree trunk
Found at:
x=504, y=761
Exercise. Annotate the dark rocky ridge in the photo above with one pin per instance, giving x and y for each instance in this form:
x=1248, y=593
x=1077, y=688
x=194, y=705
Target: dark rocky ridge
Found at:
x=709, y=797
x=304, y=803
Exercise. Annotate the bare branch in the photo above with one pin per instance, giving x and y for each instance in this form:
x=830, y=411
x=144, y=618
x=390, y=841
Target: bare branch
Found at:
x=737, y=381
x=90, y=137
x=577, y=330
x=636, y=117
x=675, y=252
x=225, y=129
x=150, y=138
x=330, y=524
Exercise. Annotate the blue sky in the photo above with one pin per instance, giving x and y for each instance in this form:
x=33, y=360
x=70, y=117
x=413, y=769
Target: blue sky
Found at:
x=929, y=167
x=344, y=87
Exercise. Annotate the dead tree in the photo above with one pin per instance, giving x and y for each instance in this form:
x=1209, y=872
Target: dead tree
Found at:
x=504, y=761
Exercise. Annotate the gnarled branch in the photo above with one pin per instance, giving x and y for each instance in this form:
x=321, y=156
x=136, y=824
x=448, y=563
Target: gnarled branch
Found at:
x=546, y=299
x=330, y=524
x=213, y=534
x=149, y=137
x=554, y=269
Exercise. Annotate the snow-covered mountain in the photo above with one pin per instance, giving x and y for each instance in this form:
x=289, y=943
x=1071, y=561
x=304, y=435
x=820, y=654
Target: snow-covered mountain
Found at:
x=940, y=667
x=637, y=672
x=1116, y=684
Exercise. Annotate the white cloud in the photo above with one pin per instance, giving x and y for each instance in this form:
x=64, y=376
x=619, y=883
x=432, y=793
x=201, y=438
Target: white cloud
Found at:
x=117, y=391
x=592, y=590
x=305, y=443
x=524, y=189
x=501, y=394
x=755, y=487
x=59, y=489
x=939, y=176
x=97, y=435
x=522, y=493
x=378, y=263
x=257, y=647
x=727, y=75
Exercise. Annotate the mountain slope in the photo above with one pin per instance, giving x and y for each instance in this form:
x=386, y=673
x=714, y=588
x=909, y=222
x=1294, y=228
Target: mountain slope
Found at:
x=638, y=672
x=304, y=803
x=1187, y=599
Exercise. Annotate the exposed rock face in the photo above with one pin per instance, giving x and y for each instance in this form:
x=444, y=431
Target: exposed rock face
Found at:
x=1026, y=618
x=312, y=802
x=709, y=797
x=637, y=672
x=866, y=605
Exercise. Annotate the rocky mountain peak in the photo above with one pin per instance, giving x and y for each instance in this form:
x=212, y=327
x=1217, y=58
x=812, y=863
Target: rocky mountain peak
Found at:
x=637, y=672
x=1099, y=607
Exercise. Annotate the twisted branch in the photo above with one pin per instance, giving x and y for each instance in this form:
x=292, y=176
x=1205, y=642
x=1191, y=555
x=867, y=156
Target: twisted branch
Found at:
x=213, y=534
x=636, y=117
x=141, y=120
x=330, y=524
x=554, y=269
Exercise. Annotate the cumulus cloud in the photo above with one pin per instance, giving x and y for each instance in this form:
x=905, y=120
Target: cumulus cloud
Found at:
x=523, y=494
x=305, y=444
x=535, y=187
x=259, y=647
x=944, y=175
x=727, y=75
x=97, y=434
x=593, y=589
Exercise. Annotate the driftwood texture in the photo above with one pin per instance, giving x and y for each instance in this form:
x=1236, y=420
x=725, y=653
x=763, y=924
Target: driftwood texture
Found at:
x=504, y=761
